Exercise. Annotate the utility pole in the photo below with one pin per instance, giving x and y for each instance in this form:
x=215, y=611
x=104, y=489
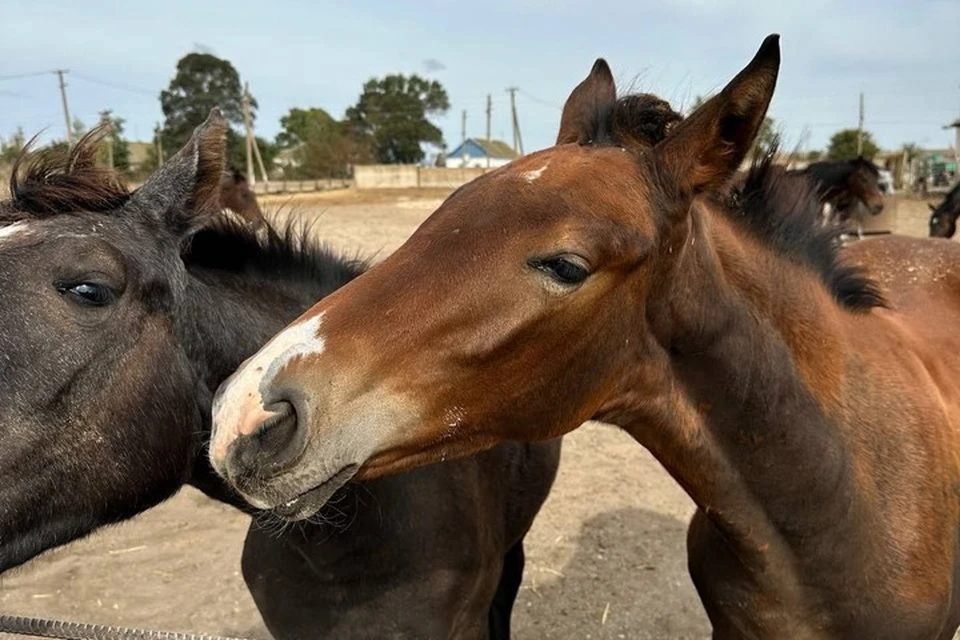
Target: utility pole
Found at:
x=463, y=138
x=245, y=106
x=66, y=109
x=252, y=141
x=159, y=142
x=105, y=122
x=860, y=128
x=489, y=112
x=517, y=139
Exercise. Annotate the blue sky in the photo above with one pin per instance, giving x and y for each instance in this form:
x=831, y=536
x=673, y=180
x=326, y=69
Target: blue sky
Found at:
x=904, y=56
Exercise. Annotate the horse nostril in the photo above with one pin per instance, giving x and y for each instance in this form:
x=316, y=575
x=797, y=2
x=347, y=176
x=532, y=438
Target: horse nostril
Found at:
x=273, y=446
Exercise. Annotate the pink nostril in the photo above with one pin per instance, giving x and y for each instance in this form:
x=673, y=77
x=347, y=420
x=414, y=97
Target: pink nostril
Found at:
x=268, y=441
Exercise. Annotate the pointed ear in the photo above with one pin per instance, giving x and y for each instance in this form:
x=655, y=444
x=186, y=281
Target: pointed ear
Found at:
x=932, y=208
x=588, y=108
x=185, y=192
x=705, y=150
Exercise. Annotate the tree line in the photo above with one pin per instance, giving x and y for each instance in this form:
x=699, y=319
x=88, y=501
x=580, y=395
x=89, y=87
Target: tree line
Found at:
x=389, y=123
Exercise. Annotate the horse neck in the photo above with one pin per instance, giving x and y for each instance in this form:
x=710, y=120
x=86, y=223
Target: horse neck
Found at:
x=229, y=315
x=747, y=433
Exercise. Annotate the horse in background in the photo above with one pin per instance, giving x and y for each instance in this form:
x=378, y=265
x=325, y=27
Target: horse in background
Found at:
x=846, y=188
x=237, y=196
x=943, y=217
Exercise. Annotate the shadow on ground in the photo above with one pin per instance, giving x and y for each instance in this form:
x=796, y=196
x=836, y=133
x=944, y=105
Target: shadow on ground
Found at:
x=626, y=579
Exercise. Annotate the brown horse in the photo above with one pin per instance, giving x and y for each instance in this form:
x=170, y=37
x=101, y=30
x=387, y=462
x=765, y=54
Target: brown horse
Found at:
x=809, y=411
x=236, y=195
x=845, y=188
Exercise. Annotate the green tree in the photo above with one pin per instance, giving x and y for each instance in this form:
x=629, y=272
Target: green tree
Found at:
x=204, y=81
x=319, y=145
x=13, y=146
x=814, y=154
x=843, y=145
x=121, y=148
x=300, y=125
x=393, y=114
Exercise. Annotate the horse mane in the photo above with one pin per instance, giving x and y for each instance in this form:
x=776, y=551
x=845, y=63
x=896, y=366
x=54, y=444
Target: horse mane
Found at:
x=59, y=180
x=236, y=175
x=287, y=250
x=783, y=211
x=780, y=209
x=639, y=118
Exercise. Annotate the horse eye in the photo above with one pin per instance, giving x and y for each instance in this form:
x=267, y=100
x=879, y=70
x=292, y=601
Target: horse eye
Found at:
x=566, y=270
x=87, y=293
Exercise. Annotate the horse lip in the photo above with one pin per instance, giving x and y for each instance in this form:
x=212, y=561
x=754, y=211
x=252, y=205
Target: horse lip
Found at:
x=309, y=502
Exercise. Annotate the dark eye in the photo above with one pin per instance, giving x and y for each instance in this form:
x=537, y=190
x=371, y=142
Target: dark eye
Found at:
x=88, y=293
x=568, y=270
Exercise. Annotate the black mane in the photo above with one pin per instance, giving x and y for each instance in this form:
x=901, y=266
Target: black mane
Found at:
x=57, y=181
x=832, y=174
x=636, y=118
x=783, y=210
x=288, y=250
x=780, y=209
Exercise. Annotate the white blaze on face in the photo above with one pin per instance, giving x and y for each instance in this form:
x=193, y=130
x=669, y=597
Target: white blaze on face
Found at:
x=534, y=174
x=240, y=399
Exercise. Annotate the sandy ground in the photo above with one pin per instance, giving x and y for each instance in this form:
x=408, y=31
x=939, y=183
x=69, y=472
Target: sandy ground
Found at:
x=605, y=557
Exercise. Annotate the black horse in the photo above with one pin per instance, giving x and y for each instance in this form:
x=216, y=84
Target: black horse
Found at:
x=943, y=217
x=123, y=312
x=844, y=187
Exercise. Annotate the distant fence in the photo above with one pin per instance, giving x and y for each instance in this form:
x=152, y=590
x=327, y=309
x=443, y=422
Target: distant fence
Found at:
x=300, y=186
x=409, y=176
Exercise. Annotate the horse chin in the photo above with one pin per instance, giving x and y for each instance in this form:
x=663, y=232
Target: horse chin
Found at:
x=308, y=503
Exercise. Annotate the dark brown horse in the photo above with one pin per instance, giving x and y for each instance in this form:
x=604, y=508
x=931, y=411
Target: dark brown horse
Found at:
x=845, y=188
x=943, y=217
x=237, y=196
x=122, y=314
x=809, y=411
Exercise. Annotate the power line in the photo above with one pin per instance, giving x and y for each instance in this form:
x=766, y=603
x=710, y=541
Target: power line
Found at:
x=115, y=85
x=18, y=76
x=534, y=98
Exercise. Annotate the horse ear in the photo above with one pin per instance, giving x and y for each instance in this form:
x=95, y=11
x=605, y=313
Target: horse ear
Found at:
x=587, y=110
x=706, y=149
x=932, y=208
x=185, y=192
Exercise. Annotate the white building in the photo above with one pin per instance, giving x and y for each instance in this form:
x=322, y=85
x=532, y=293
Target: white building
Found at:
x=478, y=152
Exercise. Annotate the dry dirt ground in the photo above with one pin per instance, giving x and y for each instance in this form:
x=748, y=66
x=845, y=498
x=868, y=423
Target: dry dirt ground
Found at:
x=605, y=557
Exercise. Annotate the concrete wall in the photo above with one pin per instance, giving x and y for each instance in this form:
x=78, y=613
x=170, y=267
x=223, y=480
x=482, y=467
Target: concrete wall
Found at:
x=457, y=163
x=403, y=176
x=448, y=176
x=386, y=176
